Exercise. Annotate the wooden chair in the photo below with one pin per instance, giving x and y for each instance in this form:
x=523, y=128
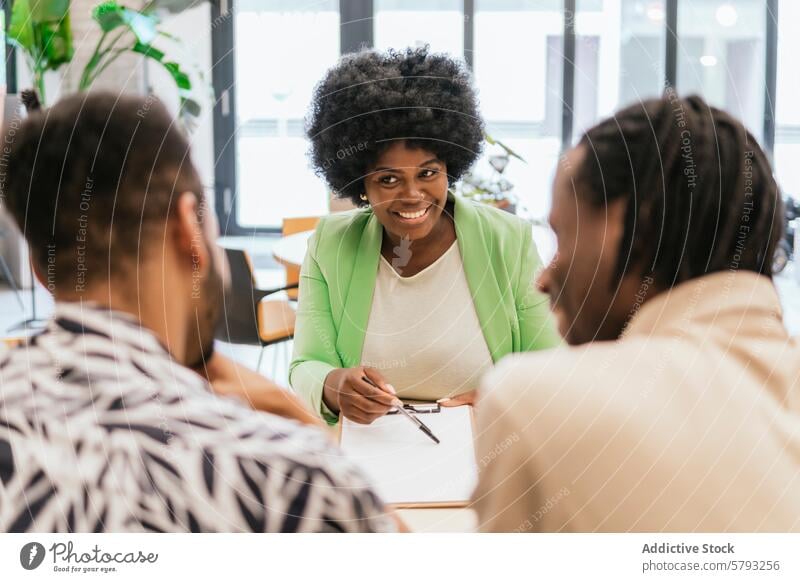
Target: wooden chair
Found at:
x=12, y=342
x=293, y=226
x=247, y=319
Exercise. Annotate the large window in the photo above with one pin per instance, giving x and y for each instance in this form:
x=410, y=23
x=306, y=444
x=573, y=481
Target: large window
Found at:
x=534, y=96
x=619, y=57
x=787, y=130
x=414, y=23
x=721, y=56
x=517, y=60
x=276, y=71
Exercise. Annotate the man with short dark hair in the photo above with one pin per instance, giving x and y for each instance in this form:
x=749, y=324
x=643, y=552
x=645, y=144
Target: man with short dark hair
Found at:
x=676, y=407
x=107, y=418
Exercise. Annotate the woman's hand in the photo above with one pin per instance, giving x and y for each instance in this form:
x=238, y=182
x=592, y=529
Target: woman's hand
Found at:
x=345, y=391
x=228, y=378
x=460, y=400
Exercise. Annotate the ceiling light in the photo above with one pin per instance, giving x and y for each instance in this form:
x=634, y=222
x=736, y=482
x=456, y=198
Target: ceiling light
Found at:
x=708, y=61
x=727, y=15
x=655, y=11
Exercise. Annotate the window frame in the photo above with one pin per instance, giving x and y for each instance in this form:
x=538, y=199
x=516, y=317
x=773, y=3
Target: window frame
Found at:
x=11, y=54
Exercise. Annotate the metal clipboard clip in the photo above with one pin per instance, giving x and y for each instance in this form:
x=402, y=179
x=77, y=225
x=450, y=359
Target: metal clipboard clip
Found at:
x=420, y=408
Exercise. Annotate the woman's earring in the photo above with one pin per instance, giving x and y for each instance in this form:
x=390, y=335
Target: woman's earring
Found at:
x=364, y=197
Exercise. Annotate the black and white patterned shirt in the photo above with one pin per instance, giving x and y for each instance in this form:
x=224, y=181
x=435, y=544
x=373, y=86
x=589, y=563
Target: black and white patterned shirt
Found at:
x=101, y=430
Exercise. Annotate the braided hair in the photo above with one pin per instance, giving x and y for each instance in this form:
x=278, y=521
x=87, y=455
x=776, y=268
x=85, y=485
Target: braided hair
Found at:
x=701, y=196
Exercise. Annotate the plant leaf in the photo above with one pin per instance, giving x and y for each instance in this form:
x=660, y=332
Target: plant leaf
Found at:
x=55, y=40
x=110, y=15
x=511, y=152
x=20, y=29
x=49, y=10
x=174, y=69
x=149, y=51
x=43, y=31
x=507, y=149
x=142, y=25
x=189, y=107
x=181, y=79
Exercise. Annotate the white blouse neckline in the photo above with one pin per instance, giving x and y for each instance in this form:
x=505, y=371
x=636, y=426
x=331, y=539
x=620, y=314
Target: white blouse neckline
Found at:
x=430, y=267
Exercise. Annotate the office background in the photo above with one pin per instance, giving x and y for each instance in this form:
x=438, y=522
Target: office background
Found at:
x=545, y=71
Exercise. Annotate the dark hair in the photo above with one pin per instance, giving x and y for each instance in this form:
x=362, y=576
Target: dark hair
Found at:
x=372, y=99
x=700, y=192
x=91, y=180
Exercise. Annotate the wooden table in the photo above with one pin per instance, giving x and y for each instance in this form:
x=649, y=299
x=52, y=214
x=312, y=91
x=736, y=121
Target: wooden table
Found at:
x=441, y=520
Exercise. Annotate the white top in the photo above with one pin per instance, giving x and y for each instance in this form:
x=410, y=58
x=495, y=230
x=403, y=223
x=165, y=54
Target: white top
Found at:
x=423, y=333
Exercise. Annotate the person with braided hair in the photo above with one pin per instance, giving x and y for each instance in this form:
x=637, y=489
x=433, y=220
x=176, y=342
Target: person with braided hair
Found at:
x=676, y=405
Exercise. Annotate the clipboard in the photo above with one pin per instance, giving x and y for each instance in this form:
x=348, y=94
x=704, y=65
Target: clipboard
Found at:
x=407, y=469
x=420, y=408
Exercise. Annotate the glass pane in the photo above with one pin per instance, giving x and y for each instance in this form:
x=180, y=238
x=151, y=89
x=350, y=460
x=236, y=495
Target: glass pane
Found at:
x=518, y=70
x=619, y=57
x=276, y=70
x=787, y=114
x=414, y=23
x=721, y=54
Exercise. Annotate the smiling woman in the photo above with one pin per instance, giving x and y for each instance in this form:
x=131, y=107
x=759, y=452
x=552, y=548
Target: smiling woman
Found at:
x=416, y=294
x=407, y=191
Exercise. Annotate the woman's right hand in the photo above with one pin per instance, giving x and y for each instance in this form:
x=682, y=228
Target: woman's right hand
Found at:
x=346, y=392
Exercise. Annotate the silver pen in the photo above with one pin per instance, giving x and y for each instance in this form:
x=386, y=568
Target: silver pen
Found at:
x=421, y=425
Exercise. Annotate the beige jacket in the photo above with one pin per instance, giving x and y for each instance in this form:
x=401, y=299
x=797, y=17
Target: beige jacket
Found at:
x=691, y=422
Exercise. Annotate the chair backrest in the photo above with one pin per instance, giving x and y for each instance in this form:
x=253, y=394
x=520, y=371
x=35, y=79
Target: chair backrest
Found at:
x=12, y=342
x=293, y=226
x=238, y=323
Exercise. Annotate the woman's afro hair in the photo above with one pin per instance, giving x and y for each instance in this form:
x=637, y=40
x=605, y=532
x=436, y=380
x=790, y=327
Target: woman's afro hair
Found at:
x=372, y=99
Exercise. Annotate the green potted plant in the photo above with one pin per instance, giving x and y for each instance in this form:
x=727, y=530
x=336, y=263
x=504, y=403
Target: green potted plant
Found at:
x=40, y=29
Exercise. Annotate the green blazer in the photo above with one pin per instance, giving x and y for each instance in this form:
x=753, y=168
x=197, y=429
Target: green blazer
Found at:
x=338, y=278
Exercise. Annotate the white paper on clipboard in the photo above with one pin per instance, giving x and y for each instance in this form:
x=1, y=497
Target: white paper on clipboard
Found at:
x=408, y=468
